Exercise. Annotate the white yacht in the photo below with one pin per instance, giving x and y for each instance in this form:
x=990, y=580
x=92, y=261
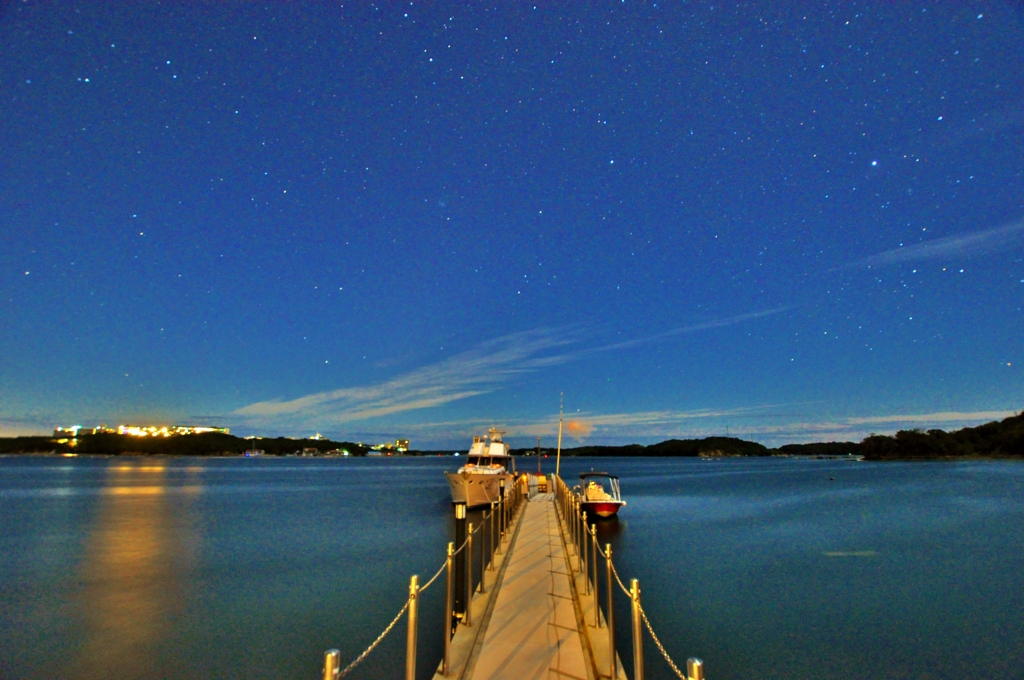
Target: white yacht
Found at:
x=478, y=482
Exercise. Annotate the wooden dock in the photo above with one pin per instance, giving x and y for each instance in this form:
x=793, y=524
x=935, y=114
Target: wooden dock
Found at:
x=534, y=619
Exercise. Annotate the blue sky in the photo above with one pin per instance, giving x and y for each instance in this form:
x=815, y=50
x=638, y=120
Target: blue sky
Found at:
x=419, y=220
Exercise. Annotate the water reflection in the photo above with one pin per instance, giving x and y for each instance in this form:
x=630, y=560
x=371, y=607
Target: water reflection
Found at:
x=131, y=572
x=608, y=528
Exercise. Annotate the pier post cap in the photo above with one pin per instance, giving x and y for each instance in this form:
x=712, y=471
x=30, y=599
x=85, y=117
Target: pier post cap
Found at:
x=460, y=511
x=332, y=664
x=694, y=669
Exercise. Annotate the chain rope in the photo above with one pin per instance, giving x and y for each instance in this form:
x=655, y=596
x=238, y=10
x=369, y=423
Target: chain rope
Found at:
x=359, y=659
x=376, y=642
x=647, y=623
x=444, y=565
x=615, y=572
x=661, y=648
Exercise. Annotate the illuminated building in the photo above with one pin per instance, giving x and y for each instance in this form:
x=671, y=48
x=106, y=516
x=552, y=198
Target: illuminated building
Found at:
x=167, y=431
x=76, y=431
x=71, y=432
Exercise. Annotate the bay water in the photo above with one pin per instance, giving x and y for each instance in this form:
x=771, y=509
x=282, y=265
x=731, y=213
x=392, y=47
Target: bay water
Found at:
x=141, y=567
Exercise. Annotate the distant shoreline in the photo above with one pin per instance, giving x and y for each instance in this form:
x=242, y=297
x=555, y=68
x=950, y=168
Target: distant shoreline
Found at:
x=567, y=453
x=998, y=440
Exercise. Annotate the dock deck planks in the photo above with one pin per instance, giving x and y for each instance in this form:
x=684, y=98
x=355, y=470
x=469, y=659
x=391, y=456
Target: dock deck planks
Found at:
x=533, y=630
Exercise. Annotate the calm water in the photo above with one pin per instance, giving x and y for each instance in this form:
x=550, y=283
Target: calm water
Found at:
x=205, y=568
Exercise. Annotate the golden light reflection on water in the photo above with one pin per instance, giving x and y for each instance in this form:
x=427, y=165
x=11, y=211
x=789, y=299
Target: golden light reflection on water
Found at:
x=131, y=586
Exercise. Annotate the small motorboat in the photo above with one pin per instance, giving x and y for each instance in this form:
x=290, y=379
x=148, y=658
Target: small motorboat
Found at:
x=599, y=494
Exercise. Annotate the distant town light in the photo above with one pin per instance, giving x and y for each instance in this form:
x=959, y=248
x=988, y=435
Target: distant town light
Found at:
x=75, y=431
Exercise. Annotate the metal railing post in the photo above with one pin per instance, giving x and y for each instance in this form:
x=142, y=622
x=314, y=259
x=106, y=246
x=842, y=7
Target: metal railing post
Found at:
x=571, y=525
x=410, y=638
x=448, y=611
x=638, y=631
x=583, y=562
x=491, y=532
x=610, y=615
x=576, y=513
x=469, y=576
x=332, y=664
x=483, y=565
x=501, y=531
x=579, y=533
x=504, y=511
x=694, y=669
x=460, y=560
x=567, y=508
x=593, y=551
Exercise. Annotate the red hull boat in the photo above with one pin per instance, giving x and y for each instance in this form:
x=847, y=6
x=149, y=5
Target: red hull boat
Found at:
x=599, y=494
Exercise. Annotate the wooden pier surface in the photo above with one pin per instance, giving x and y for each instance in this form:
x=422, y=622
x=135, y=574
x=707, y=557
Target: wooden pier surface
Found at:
x=531, y=622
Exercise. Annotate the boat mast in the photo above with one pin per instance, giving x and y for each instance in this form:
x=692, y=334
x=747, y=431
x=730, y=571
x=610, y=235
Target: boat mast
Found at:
x=558, y=457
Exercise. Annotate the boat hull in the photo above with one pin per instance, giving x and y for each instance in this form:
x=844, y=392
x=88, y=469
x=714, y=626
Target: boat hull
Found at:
x=475, y=489
x=601, y=508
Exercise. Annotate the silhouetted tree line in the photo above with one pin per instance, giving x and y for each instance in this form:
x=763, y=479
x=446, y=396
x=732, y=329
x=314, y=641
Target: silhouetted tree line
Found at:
x=709, y=446
x=1003, y=438
x=997, y=439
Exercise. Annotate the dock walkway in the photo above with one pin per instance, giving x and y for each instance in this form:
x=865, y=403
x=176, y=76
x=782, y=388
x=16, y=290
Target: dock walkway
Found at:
x=533, y=630
x=531, y=623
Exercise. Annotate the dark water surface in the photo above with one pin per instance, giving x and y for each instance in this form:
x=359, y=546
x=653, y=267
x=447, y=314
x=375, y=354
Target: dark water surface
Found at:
x=211, y=568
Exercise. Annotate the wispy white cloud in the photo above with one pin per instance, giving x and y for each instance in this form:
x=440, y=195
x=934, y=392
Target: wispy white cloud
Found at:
x=683, y=330
x=611, y=426
x=481, y=370
x=770, y=424
x=478, y=371
x=939, y=417
x=993, y=240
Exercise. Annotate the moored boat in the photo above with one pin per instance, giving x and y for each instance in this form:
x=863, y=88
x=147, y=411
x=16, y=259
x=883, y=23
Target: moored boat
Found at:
x=488, y=469
x=599, y=494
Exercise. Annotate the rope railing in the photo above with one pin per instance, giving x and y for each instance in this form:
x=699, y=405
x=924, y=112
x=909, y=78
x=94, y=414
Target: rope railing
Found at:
x=331, y=658
x=444, y=565
x=661, y=648
x=579, y=534
x=615, y=573
x=506, y=507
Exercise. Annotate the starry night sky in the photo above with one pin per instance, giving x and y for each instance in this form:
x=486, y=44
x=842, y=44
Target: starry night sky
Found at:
x=782, y=221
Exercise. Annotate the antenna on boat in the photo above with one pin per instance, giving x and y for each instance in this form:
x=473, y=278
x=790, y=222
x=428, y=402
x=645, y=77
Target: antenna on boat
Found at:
x=558, y=458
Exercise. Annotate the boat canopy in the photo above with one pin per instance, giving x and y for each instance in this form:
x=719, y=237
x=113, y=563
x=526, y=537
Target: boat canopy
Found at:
x=495, y=448
x=584, y=475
